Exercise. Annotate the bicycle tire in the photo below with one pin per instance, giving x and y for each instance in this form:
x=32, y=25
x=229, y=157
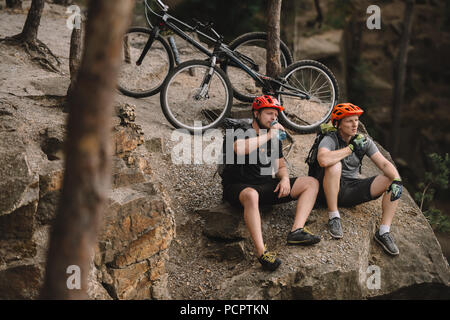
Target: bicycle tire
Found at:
x=182, y=93
x=306, y=116
x=237, y=75
x=148, y=78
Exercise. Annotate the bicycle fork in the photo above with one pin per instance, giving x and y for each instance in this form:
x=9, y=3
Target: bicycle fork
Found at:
x=204, y=87
x=153, y=35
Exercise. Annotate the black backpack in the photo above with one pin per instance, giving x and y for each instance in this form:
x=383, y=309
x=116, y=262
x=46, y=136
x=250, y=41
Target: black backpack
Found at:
x=314, y=169
x=235, y=124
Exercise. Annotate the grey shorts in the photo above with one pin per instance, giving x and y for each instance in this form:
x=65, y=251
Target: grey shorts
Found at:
x=352, y=191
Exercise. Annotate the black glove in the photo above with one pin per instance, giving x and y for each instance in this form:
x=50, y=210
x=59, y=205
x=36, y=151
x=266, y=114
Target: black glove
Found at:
x=396, y=187
x=358, y=145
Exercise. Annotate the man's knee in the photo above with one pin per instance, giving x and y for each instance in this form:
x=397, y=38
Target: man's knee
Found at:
x=334, y=170
x=249, y=196
x=379, y=185
x=311, y=183
x=302, y=184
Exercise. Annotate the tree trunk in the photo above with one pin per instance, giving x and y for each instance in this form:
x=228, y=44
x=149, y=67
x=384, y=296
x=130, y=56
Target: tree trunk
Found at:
x=88, y=157
x=273, y=67
x=14, y=4
x=319, y=17
x=30, y=29
x=75, y=55
x=400, y=76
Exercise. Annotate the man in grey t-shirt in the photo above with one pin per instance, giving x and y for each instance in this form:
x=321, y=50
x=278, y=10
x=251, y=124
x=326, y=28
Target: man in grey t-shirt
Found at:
x=340, y=154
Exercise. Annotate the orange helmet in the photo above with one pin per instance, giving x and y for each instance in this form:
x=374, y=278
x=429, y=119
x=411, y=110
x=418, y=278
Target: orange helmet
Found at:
x=343, y=110
x=266, y=101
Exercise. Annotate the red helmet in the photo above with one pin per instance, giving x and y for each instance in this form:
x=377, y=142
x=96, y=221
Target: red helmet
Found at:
x=343, y=110
x=266, y=101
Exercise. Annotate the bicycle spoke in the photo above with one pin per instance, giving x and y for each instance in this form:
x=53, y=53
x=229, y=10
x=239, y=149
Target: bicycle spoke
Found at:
x=144, y=79
x=310, y=112
x=190, y=107
x=312, y=86
x=299, y=83
x=317, y=90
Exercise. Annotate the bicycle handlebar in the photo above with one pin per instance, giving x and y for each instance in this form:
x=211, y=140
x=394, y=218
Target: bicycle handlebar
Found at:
x=162, y=5
x=165, y=8
x=208, y=26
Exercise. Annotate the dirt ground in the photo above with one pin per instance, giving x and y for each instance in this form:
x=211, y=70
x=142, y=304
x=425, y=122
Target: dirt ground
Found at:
x=194, y=269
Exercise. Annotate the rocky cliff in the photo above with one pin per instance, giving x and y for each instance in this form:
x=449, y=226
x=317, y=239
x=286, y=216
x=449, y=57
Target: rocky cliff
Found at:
x=165, y=233
x=138, y=225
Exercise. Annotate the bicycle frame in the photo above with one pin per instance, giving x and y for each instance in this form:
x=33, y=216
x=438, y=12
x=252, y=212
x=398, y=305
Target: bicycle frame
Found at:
x=166, y=20
x=220, y=49
x=262, y=80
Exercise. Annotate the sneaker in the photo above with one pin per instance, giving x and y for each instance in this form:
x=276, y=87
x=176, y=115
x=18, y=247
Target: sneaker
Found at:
x=303, y=237
x=334, y=228
x=387, y=242
x=269, y=260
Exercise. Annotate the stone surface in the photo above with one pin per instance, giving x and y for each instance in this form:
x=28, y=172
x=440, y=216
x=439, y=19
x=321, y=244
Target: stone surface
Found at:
x=21, y=282
x=342, y=269
x=225, y=222
x=19, y=185
x=138, y=224
x=321, y=46
x=154, y=145
x=139, y=208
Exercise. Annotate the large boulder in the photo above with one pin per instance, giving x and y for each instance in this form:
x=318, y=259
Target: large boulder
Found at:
x=354, y=267
x=19, y=185
x=129, y=261
x=320, y=46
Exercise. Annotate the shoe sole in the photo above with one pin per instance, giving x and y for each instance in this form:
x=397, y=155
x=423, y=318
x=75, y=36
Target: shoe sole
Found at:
x=271, y=268
x=335, y=236
x=303, y=243
x=385, y=248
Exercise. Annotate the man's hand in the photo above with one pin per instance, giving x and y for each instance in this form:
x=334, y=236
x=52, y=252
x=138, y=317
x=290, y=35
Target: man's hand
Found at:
x=273, y=131
x=284, y=186
x=358, y=144
x=396, y=187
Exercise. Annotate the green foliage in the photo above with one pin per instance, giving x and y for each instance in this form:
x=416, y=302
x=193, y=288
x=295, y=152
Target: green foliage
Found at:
x=336, y=18
x=434, y=181
x=439, y=221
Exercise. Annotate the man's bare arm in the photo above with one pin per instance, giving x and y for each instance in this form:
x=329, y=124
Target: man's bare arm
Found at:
x=247, y=146
x=385, y=165
x=282, y=172
x=327, y=158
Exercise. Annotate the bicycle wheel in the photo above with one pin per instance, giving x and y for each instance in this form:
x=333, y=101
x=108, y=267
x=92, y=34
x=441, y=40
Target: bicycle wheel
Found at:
x=146, y=79
x=320, y=84
x=183, y=103
x=252, y=45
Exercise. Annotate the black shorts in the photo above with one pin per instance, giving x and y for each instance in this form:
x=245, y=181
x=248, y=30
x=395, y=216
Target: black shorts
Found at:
x=231, y=192
x=352, y=191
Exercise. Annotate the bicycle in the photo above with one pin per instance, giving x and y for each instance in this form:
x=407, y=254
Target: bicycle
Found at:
x=197, y=95
x=139, y=78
